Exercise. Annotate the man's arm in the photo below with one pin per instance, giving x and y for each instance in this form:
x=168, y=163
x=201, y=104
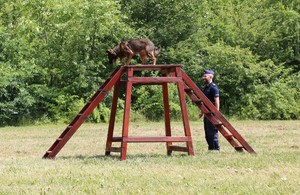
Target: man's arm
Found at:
x=217, y=103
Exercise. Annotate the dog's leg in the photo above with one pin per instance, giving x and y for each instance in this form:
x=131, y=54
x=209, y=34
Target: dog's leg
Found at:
x=143, y=57
x=128, y=59
x=154, y=60
x=152, y=57
x=121, y=60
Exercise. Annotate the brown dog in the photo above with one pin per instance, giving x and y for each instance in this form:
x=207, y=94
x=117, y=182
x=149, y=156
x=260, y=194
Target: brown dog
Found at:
x=129, y=48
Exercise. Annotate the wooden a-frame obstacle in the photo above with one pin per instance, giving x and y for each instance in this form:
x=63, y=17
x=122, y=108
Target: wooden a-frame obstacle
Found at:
x=171, y=73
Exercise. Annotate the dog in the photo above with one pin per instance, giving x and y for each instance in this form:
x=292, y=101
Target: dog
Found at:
x=144, y=47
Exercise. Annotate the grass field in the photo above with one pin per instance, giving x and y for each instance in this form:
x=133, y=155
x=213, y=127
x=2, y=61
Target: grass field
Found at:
x=81, y=167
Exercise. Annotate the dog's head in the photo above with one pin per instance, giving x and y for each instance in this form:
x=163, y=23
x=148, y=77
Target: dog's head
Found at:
x=112, y=56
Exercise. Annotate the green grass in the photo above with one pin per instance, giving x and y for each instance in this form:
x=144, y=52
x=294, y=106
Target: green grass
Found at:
x=81, y=167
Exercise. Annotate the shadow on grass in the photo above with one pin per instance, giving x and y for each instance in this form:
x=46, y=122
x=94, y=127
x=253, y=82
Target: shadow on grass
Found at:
x=117, y=157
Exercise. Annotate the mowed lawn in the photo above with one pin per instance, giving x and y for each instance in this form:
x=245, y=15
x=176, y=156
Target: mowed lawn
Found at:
x=82, y=168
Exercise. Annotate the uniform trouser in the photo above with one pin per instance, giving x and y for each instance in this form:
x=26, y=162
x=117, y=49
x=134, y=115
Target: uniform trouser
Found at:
x=211, y=135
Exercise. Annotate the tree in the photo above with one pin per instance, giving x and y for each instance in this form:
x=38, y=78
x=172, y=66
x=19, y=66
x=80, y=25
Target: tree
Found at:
x=61, y=47
x=165, y=22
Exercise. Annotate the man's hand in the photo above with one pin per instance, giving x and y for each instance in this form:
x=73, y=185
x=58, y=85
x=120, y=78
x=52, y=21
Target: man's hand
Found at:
x=200, y=114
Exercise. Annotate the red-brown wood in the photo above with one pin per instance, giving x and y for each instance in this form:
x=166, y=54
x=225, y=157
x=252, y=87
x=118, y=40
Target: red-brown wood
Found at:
x=151, y=67
x=185, y=117
x=178, y=148
x=112, y=118
x=126, y=114
x=167, y=115
x=170, y=74
x=140, y=139
x=163, y=80
x=154, y=80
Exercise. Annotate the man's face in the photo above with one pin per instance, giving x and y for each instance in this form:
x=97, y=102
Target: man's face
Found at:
x=207, y=78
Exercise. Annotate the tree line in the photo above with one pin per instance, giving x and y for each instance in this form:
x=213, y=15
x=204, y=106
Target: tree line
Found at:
x=53, y=55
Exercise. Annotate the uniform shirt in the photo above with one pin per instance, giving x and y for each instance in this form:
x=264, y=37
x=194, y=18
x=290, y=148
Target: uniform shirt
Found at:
x=211, y=91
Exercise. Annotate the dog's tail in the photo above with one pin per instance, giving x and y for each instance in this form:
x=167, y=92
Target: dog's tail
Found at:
x=157, y=50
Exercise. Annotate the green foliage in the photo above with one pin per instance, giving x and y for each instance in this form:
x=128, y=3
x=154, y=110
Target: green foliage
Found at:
x=271, y=29
x=244, y=81
x=165, y=22
x=100, y=114
x=59, y=48
x=16, y=100
x=236, y=73
x=53, y=54
x=149, y=100
x=277, y=100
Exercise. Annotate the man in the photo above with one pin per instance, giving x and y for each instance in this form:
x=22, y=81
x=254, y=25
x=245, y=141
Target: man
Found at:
x=211, y=91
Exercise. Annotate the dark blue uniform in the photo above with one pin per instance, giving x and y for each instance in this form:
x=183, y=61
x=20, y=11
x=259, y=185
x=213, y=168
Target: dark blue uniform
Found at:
x=211, y=132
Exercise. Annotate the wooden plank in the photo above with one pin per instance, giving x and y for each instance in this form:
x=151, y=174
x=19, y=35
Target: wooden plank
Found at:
x=126, y=114
x=239, y=148
x=152, y=139
x=140, y=139
x=185, y=117
x=167, y=114
x=113, y=149
x=153, y=80
x=152, y=67
x=117, y=139
x=178, y=148
x=112, y=118
x=228, y=136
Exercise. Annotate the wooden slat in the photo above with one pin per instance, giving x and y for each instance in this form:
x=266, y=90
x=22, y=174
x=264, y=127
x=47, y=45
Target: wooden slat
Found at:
x=152, y=67
x=113, y=149
x=239, y=148
x=184, y=111
x=178, y=148
x=126, y=114
x=116, y=139
x=112, y=117
x=154, y=139
x=228, y=136
x=153, y=80
x=167, y=113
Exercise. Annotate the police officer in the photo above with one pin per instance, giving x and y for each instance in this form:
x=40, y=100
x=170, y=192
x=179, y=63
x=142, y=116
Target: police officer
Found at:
x=211, y=91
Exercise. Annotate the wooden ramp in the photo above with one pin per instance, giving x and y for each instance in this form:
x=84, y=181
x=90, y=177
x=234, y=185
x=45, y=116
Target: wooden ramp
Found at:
x=171, y=73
